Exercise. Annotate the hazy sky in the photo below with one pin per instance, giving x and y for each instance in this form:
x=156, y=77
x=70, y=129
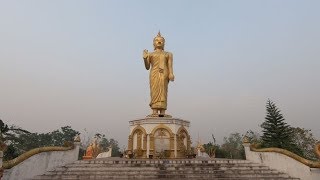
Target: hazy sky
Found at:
x=79, y=63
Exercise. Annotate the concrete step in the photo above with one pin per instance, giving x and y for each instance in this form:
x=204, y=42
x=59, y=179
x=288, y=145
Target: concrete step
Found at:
x=167, y=169
x=89, y=177
x=146, y=161
x=167, y=166
x=157, y=165
x=180, y=169
x=169, y=175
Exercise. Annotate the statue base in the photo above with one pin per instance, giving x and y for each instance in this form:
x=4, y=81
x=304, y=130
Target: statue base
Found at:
x=159, y=115
x=159, y=137
x=87, y=157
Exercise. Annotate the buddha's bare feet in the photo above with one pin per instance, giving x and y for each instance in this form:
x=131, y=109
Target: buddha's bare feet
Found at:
x=167, y=115
x=153, y=115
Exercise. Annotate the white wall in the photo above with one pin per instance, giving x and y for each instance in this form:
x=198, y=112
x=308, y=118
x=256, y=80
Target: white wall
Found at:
x=40, y=163
x=282, y=163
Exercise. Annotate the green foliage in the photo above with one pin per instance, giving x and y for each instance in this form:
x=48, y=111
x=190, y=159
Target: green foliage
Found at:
x=233, y=146
x=9, y=136
x=54, y=138
x=276, y=132
x=304, y=140
x=105, y=143
x=209, y=146
x=219, y=151
x=10, y=153
x=253, y=137
x=19, y=140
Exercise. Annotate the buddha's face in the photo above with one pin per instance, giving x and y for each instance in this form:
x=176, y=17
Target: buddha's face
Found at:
x=158, y=42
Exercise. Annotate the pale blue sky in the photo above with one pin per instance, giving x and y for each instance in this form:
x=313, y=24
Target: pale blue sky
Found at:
x=79, y=63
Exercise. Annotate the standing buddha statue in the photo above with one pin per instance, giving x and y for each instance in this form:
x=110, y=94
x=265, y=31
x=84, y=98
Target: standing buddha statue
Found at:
x=161, y=72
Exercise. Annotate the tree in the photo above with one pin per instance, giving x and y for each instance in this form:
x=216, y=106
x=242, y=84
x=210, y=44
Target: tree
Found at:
x=305, y=141
x=219, y=151
x=20, y=141
x=105, y=143
x=232, y=147
x=66, y=134
x=276, y=132
x=211, y=147
x=9, y=135
x=253, y=137
x=55, y=138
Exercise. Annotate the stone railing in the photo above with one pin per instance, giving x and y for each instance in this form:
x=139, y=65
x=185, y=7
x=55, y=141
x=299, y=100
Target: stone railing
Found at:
x=11, y=163
x=39, y=160
x=284, y=161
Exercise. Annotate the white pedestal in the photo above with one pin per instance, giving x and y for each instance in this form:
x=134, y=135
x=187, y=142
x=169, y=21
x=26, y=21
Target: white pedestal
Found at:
x=159, y=137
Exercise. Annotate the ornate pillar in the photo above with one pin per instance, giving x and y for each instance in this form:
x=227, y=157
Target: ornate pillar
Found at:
x=144, y=145
x=171, y=141
x=172, y=145
x=188, y=143
x=139, y=140
x=175, y=146
x=130, y=143
x=148, y=145
x=144, y=142
x=152, y=143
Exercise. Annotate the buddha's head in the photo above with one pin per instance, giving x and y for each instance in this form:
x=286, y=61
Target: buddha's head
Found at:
x=158, y=42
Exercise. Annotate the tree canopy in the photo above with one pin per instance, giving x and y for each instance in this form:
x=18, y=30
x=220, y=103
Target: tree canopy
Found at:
x=276, y=132
x=305, y=141
x=17, y=140
x=231, y=147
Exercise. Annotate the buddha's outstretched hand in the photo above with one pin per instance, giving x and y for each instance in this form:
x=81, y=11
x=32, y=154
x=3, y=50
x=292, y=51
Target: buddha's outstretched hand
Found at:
x=145, y=54
x=171, y=77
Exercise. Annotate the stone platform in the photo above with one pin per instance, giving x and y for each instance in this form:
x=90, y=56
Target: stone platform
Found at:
x=153, y=137
x=121, y=168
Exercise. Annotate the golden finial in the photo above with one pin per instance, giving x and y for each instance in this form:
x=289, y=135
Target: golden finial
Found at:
x=159, y=34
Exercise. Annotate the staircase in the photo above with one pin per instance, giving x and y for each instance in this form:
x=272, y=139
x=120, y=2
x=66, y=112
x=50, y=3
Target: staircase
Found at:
x=117, y=168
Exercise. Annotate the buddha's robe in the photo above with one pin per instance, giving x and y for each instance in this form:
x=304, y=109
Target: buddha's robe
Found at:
x=159, y=79
x=89, y=151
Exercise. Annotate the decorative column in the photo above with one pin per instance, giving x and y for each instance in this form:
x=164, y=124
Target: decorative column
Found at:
x=151, y=144
x=139, y=140
x=145, y=145
x=148, y=145
x=188, y=143
x=130, y=143
x=172, y=145
x=175, y=145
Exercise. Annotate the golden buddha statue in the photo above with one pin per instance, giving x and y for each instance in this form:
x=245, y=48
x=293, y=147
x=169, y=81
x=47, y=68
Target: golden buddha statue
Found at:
x=92, y=150
x=89, y=152
x=161, y=73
